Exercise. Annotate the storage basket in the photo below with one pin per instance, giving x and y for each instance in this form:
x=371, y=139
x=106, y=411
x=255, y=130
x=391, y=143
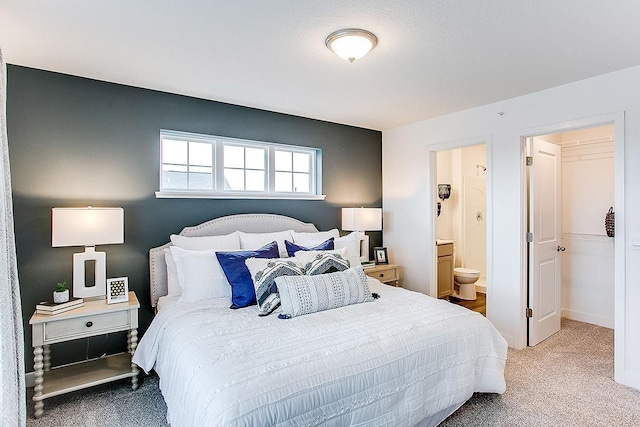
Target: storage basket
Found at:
x=610, y=223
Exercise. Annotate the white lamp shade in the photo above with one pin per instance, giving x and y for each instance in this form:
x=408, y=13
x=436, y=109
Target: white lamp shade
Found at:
x=362, y=219
x=87, y=226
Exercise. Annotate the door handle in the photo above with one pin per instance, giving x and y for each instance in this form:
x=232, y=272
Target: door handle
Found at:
x=561, y=248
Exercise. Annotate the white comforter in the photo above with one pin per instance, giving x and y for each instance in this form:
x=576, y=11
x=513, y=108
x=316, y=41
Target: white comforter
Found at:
x=391, y=362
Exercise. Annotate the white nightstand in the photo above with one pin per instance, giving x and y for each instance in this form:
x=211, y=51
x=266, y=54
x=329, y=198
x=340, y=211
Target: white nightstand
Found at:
x=94, y=318
x=386, y=273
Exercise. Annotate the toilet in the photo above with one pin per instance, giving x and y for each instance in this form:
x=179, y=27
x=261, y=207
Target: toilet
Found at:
x=465, y=279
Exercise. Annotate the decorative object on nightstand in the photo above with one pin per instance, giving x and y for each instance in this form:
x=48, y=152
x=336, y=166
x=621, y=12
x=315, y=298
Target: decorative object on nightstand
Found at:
x=386, y=273
x=61, y=294
x=87, y=227
x=50, y=308
x=366, y=265
x=93, y=318
x=362, y=220
x=381, y=256
x=117, y=290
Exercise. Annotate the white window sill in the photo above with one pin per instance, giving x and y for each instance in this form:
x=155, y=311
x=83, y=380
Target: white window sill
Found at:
x=238, y=196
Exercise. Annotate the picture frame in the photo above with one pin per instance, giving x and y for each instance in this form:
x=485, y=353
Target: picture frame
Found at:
x=117, y=290
x=381, y=256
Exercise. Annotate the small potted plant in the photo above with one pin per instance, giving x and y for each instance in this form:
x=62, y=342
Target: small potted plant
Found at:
x=61, y=294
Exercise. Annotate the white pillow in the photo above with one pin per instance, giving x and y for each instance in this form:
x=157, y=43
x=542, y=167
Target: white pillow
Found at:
x=173, y=284
x=253, y=241
x=218, y=243
x=352, y=243
x=200, y=275
x=315, y=237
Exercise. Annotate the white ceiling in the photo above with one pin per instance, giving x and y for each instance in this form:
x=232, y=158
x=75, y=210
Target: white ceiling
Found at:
x=433, y=57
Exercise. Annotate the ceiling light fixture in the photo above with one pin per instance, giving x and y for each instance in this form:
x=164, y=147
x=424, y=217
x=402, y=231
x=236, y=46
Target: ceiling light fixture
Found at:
x=351, y=44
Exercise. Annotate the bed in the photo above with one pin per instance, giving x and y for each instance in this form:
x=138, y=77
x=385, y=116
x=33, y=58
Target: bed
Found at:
x=404, y=359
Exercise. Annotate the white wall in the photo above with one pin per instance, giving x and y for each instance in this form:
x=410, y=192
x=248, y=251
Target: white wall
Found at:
x=453, y=166
x=587, y=193
x=444, y=223
x=406, y=176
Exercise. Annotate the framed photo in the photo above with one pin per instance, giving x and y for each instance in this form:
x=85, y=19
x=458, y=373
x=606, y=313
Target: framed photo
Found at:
x=117, y=290
x=381, y=255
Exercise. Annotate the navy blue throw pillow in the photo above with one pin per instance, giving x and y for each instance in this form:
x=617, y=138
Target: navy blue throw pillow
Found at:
x=238, y=275
x=292, y=248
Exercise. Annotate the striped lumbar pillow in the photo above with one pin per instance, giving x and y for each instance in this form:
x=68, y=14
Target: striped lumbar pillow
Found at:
x=301, y=295
x=264, y=271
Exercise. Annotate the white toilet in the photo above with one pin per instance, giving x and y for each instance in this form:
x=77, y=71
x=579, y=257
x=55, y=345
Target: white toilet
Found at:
x=465, y=279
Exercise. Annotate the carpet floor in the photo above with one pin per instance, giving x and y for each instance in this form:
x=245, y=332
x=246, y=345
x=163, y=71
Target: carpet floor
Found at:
x=567, y=380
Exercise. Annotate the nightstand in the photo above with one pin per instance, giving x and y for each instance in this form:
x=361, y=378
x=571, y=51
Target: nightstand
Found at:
x=93, y=318
x=386, y=273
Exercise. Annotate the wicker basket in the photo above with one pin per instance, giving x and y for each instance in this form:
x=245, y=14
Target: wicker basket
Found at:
x=610, y=223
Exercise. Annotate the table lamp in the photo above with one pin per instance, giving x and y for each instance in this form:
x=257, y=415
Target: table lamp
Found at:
x=362, y=220
x=87, y=227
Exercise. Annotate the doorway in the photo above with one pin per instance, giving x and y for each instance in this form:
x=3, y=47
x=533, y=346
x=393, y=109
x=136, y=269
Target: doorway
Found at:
x=461, y=221
x=584, y=285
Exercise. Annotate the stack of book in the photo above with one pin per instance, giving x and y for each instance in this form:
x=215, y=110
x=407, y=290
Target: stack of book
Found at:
x=50, y=308
x=368, y=264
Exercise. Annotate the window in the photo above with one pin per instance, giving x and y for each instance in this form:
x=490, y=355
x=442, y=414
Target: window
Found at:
x=195, y=165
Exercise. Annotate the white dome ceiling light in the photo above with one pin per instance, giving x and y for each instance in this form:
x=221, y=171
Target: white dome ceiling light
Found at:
x=351, y=44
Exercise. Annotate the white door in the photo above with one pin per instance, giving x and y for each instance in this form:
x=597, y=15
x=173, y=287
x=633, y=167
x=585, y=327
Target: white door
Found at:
x=546, y=246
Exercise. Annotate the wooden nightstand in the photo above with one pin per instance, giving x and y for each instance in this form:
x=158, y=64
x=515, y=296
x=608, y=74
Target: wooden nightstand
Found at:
x=94, y=318
x=386, y=273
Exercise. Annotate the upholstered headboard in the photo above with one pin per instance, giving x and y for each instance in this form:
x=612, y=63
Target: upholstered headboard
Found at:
x=248, y=223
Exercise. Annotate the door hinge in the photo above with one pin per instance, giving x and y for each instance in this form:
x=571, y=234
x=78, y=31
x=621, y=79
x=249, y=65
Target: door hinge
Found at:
x=529, y=161
x=529, y=312
x=530, y=237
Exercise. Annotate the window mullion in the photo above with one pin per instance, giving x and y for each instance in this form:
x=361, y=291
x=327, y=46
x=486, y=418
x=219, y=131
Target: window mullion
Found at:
x=271, y=169
x=219, y=148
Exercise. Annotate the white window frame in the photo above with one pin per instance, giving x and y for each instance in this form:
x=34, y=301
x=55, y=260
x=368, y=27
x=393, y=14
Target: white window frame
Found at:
x=218, y=191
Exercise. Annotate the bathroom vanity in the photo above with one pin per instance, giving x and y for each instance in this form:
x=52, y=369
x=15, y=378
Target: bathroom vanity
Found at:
x=445, y=268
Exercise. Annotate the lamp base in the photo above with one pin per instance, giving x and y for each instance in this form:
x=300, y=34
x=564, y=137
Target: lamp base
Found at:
x=364, y=246
x=99, y=288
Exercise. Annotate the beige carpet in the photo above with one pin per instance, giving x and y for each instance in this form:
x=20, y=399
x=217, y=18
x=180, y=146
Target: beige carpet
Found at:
x=566, y=380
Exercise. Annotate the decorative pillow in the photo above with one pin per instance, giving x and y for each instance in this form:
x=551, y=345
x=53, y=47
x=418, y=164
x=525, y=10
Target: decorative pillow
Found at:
x=219, y=243
x=320, y=236
x=322, y=262
x=264, y=273
x=200, y=275
x=252, y=241
x=234, y=267
x=292, y=248
x=173, y=284
x=351, y=242
x=301, y=295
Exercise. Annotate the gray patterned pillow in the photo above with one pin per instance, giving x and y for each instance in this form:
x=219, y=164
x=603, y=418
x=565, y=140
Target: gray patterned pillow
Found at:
x=264, y=272
x=322, y=262
x=301, y=295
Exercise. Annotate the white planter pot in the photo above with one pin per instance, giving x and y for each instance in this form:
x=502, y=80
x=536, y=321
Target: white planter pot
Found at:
x=60, y=297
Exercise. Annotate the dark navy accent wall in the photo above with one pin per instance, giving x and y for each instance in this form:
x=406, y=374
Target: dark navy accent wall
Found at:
x=78, y=142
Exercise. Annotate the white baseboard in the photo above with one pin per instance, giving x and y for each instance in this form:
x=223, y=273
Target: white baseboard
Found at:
x=632, y=380
x=30, y=379
x=481, y=289
x=588, y=318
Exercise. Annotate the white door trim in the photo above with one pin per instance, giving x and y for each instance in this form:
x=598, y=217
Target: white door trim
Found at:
x=432, y=195
x=618, y=120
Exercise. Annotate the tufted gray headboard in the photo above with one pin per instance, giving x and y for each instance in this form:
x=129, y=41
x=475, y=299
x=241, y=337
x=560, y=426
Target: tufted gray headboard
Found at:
x=248, y=223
